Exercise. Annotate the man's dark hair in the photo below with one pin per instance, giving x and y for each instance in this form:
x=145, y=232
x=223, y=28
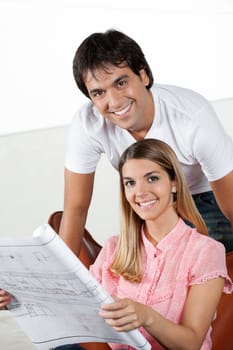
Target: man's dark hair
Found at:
x=111, y=47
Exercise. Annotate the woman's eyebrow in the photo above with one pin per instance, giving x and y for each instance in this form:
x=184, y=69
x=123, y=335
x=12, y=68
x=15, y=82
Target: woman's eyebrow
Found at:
x=152, y=173
x=145, y=175
x=126, y=178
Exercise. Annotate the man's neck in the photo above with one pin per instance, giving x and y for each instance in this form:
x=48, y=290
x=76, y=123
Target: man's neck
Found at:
x=143, y=131
x=139, y=135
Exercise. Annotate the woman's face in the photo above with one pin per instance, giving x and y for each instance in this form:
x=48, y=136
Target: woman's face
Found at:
x=148, y=189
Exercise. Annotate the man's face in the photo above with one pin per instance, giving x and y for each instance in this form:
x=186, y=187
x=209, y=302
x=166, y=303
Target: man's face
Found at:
x=121, y=96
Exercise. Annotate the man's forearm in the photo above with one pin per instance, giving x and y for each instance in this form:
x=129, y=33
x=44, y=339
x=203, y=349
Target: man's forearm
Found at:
x=71, y=231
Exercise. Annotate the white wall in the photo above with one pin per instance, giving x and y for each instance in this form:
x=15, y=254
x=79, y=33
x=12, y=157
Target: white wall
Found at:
x=31, y=184
x=31, y=187
x=186, y=42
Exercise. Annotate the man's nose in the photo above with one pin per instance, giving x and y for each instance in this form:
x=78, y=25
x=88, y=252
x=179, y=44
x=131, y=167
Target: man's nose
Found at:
x=113, y=98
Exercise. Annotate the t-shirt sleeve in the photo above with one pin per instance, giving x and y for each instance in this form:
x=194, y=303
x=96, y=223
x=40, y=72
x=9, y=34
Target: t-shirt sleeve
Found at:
x=82, y=151
x=211, y=263
x=212, y=146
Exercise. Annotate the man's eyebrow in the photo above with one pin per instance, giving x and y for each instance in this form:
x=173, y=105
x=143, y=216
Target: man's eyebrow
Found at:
x=93, y=91
x=115, y=82
x=123, y=76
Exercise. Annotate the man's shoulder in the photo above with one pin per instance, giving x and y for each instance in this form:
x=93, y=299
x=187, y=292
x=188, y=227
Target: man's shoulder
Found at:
x=175, y=89
x=177, y=96
x=88, y=118
x=87, y=111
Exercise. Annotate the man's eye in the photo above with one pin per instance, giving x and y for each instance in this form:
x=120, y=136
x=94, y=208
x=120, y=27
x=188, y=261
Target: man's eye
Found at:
x=122, y=83
x=153, y=178
x=97, y=93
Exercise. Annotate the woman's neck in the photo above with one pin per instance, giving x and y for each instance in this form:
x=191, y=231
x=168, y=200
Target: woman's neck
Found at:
x=156, y=231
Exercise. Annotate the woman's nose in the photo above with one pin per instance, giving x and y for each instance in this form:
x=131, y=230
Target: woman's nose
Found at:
x=140, y=189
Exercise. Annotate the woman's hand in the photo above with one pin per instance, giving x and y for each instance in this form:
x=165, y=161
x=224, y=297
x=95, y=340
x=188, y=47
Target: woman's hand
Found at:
x=5, y=299
x=125, y=314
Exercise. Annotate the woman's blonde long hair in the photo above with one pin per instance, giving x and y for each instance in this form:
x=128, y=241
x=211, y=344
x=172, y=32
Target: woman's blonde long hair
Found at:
x=127, y=261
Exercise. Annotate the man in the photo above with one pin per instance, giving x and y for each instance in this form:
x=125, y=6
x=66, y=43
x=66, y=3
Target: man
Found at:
x=125, y=106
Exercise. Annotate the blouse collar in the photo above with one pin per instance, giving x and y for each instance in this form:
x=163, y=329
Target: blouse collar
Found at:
x=170, y=239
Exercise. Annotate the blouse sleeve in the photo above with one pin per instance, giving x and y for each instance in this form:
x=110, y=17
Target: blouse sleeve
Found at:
x=211, y=263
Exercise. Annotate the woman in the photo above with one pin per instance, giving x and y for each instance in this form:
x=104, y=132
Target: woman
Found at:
x=166, y=277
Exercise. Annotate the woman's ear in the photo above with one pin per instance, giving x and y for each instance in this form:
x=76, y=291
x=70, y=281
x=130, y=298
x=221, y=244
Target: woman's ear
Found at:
x=174, y=189
x=174, y=186
x=174, y=192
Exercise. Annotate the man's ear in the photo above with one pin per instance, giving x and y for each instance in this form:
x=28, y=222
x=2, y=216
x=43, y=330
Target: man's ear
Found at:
x=144, y=77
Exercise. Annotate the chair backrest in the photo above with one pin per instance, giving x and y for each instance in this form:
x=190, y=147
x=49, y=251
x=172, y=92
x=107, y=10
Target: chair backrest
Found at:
x=89, y=247
x=222, y=334
x=88, y=253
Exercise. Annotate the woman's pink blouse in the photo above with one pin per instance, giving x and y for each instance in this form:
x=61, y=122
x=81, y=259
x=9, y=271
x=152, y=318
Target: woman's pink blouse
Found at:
x=181, y=259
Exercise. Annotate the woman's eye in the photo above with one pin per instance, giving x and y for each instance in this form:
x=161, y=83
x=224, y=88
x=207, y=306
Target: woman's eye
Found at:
x=153, y=178
x=129, y=183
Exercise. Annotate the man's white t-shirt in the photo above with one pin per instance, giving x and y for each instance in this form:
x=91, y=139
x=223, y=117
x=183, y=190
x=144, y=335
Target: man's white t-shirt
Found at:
x=183, y=119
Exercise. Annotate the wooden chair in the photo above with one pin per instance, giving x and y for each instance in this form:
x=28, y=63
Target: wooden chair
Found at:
x=222, y=334
x=88, y=253
x=89, y=247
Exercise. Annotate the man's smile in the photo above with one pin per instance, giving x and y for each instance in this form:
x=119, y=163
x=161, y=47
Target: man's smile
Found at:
x=121, y=113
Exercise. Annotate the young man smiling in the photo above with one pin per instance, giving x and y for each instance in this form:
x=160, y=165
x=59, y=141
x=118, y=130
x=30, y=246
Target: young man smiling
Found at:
x=121, y=97
x=126, y=106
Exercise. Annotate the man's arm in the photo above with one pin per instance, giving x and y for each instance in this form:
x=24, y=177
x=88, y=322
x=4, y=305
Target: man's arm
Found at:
x=77, y=198
x=223, y=192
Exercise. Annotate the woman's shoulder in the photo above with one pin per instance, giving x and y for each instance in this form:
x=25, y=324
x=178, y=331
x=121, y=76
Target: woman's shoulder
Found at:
x=111, y=243
x=205, y=252
x=199, y=248
x=206, y=242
